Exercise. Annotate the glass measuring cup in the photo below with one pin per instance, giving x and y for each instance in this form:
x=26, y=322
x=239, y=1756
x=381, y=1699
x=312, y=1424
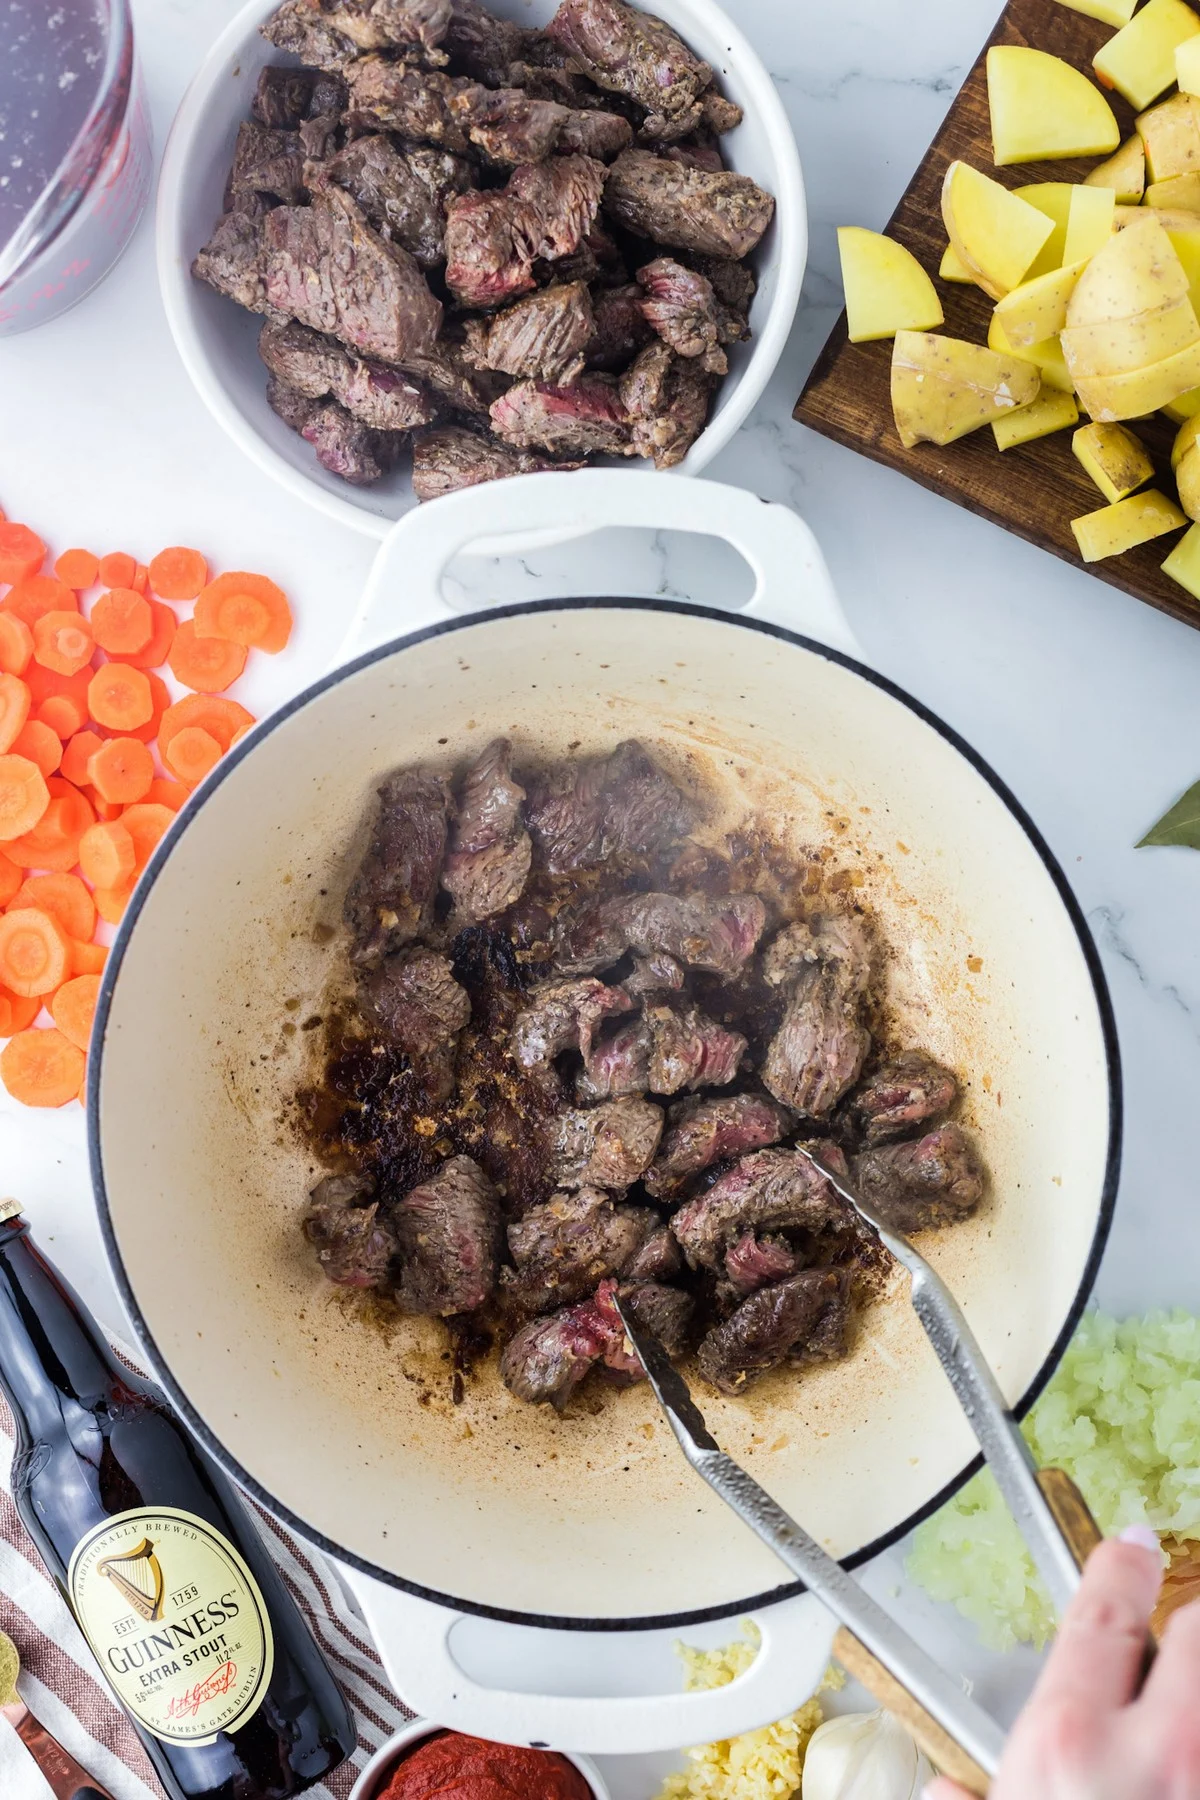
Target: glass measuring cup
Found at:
x=75, y=152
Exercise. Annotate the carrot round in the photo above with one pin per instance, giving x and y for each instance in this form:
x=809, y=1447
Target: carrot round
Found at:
x=42, y=1068
x=62, y=641
x=122, y=770
x=146, y=824
x=36, y=595
x=167, y=793
x=120, y=696
x=34, y=952
x=221, y=718
x=11, y=878
x=178, y=574
x=117, y=569
x=64, y=897
x=191, y=753
x=208, y=664
x=15, y=701
x=53, y=843
x=78, y=568
x=111, y=902
x=77, y=753
x=17, y=1011
x=246, y=609
x=41, y=745
x=141, y=580
x=24, y=798
x=121, y=621
x=87, y=959
x=155, y=653
x=22, y=552
x=74, y=1007
x=160, y=699
x=107, y=855
x=16, y=644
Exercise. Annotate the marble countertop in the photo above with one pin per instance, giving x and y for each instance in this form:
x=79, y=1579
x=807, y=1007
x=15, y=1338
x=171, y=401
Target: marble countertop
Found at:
x=1082, y=699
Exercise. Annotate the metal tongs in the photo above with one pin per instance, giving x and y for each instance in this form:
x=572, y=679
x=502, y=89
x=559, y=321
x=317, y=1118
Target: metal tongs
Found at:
x=957, y=1735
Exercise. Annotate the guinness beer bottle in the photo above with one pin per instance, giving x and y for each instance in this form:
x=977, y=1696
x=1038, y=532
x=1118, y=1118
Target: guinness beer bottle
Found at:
x=187, y=1616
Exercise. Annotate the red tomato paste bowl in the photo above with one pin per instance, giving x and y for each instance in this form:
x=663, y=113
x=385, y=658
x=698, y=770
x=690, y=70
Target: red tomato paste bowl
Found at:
x=387, y=1762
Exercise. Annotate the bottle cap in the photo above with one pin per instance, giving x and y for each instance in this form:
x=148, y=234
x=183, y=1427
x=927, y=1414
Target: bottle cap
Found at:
x=9, y=1209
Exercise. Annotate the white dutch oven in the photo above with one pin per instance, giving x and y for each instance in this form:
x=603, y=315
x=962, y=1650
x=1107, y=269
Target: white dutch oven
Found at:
x=588, y=1539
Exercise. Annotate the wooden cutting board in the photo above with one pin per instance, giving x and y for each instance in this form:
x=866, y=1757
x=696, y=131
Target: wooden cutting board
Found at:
x=1037, y=489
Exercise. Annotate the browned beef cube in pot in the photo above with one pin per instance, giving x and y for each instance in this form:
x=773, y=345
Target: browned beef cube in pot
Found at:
x=490, y=851
x=403, y=195
x=584, y=814
x=607, y=1146
x=584, y=419
x=558, y=202
x=769, y=1191
x=268, y=161
x=631, y=52
x=413, y=102
x=507, y=124
x=565, y=1247
x=450, y=1235
x=681, y=306
x=234, y=261
x=754, y=1262
x=452, y=458
x=352, y=451
x=932, y=1181
x=354, y=1245
x=543, y=336
x=667, y=398
x=300, y=27
x=380, y=24
x=668, y=1048
x=824, y=966
x=621, y=329
x=390, y=900
x=548, y=1358
x=717, y=935
x=417, y=1005
x=593, y=132
x=283, y=97
x=907, y=1091
x=382, y=397
x=481, y=42
x=493, y=239
x=703, y=1131
x=805, y=1317
x=692, y=209
x=561, y=1016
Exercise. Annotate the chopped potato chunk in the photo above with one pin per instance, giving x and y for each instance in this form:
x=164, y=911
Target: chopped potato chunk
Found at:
x=1109, y=12
x=1114, y=459
x=1170, y=135
x=886, y=288
x=1089, y=223
x=1037, y=310
x=1043, y=108
x=1054, y=199
x=1183, y=564
x=1140, y=60
x=1114, y=529
x=1051, y=411
x=1125, y=172
x=943, y=388
x=994, y=231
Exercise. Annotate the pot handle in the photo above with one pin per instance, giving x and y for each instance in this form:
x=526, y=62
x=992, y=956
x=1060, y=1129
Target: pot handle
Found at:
x=404, y=589
x=413, y=1639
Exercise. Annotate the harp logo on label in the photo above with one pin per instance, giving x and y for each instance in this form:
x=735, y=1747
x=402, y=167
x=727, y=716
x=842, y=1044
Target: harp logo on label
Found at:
x=176, y=1621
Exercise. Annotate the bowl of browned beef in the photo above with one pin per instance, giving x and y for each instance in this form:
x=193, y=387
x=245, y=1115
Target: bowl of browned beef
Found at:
x=513, y=963
x=410, y=245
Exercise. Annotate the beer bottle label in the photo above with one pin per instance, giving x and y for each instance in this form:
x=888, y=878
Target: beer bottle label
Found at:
x=176, y=1621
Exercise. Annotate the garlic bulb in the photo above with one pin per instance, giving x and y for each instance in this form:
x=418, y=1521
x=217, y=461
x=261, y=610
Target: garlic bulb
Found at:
x=864, y=1756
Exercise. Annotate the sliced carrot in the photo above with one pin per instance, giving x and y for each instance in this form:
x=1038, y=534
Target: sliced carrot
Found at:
x=105, y=810
x=120, y=696
x=42, y=1068
x=154, y=654
x=141, y=580
x=107, y=855
x=53, y=843
x=22, y=552
x=122, y=770
x=74, y=1007
x=218, y=716
x=78, y=568
x=111, y=902
x=145, y=824
x=121, y=621
x=246, y=609
x=160, y=699
x=208, y=664
x=15, y=701
x=76, y=755
x=64, y=897
x=87, y=959
x=117, y=569
x=16, y=644
x=34, y=953
x=41, y=745
x=178, y=574
x=24, y=798
x=36, y=595
x=11, y=878
x=191, y=753
x=17, y=1011
x=64, y=714
x=167, y=793
x=62, y=641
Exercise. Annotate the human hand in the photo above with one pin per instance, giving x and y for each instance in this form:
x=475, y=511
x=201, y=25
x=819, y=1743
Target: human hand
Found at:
x=1083, y=1734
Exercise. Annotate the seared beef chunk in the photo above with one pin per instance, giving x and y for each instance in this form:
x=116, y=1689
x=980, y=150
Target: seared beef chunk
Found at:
x=773, y=1190
x=933, y=1181
x=354, y=1246
x=543, y=336
x=563, y=1015
x=667, y=399
x=483, y=44
x=909, y=1090
x=719, y=114
x=509, y=125
x=701, y=1132
x=755, y=1261
x=633, y=53
x=621, y=329
x=315, y=366
x=809, y=1311
x=391, y=897
x=327, y=268
x=718, y=214
x=562, y=1249
x=450, y=1235
x=584, y=419
x=487, y=257
x=681, y=306
x=665, y=1311
x=594, y=133
x=695, y=154
x=665, y=1050
x=300, y=27
x=365, y=24
x=234, y=261
x=283, y=97
x=453, y=458
x=584, y=814
x=344, y=445
x=732, y=282
x=548, y=1358
x=413, y=102
x=606, y=1146
x=459, y=388
x=490, y=851
x=415, y=1001
x=403, y=196
x=818, y=1051
x=267, y=161
x=654, y=974
x=557, y=203
x=718, y=935
x=658, y=1259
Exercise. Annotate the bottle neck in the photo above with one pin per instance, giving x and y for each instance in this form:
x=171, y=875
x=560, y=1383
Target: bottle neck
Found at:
x=50, y=1346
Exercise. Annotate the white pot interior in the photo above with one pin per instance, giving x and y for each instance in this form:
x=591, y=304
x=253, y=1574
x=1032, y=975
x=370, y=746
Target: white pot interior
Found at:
x=495, y=1503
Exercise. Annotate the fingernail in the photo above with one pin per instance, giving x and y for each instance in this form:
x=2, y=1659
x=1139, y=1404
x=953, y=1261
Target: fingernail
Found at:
x=1141, y=1535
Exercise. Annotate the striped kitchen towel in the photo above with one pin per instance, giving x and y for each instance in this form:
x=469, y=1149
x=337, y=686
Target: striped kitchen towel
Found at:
x=62, y=1687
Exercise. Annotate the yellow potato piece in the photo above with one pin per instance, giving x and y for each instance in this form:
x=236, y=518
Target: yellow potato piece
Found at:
x=952, y=267
x=1187, y=481
x=1170, y=134
x=1185, y=407
x=1054, y=199
x=886, y=288
x=1037, y=310
x=1137, y=271
x=1051, y=411
x=1140, y=60
x=1186, y=245
x=1114, y=458
x=1183, y=564
x=1185, y=439
x=1125, y=172
x=943, y=388
x=993, y=231
x=1140, y=391
x=1047, y=358
x=1089, y=223
x=1043, y=108
x=1177, y=191
x=1187, y=65
x=1109, y=12
x=1118, y=346
x=1111, y=530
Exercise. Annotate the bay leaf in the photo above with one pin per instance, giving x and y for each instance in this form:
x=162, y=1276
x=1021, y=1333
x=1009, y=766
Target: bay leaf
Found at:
x=1180, y=824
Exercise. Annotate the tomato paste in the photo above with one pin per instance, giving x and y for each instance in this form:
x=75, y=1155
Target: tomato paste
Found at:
x=453, y=1767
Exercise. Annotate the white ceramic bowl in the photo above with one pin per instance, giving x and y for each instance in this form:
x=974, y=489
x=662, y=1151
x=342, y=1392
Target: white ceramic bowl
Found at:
x=382, y=1765
x=217, y=339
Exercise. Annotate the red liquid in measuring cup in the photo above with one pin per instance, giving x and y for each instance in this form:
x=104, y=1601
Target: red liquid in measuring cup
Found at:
x=52, y=55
